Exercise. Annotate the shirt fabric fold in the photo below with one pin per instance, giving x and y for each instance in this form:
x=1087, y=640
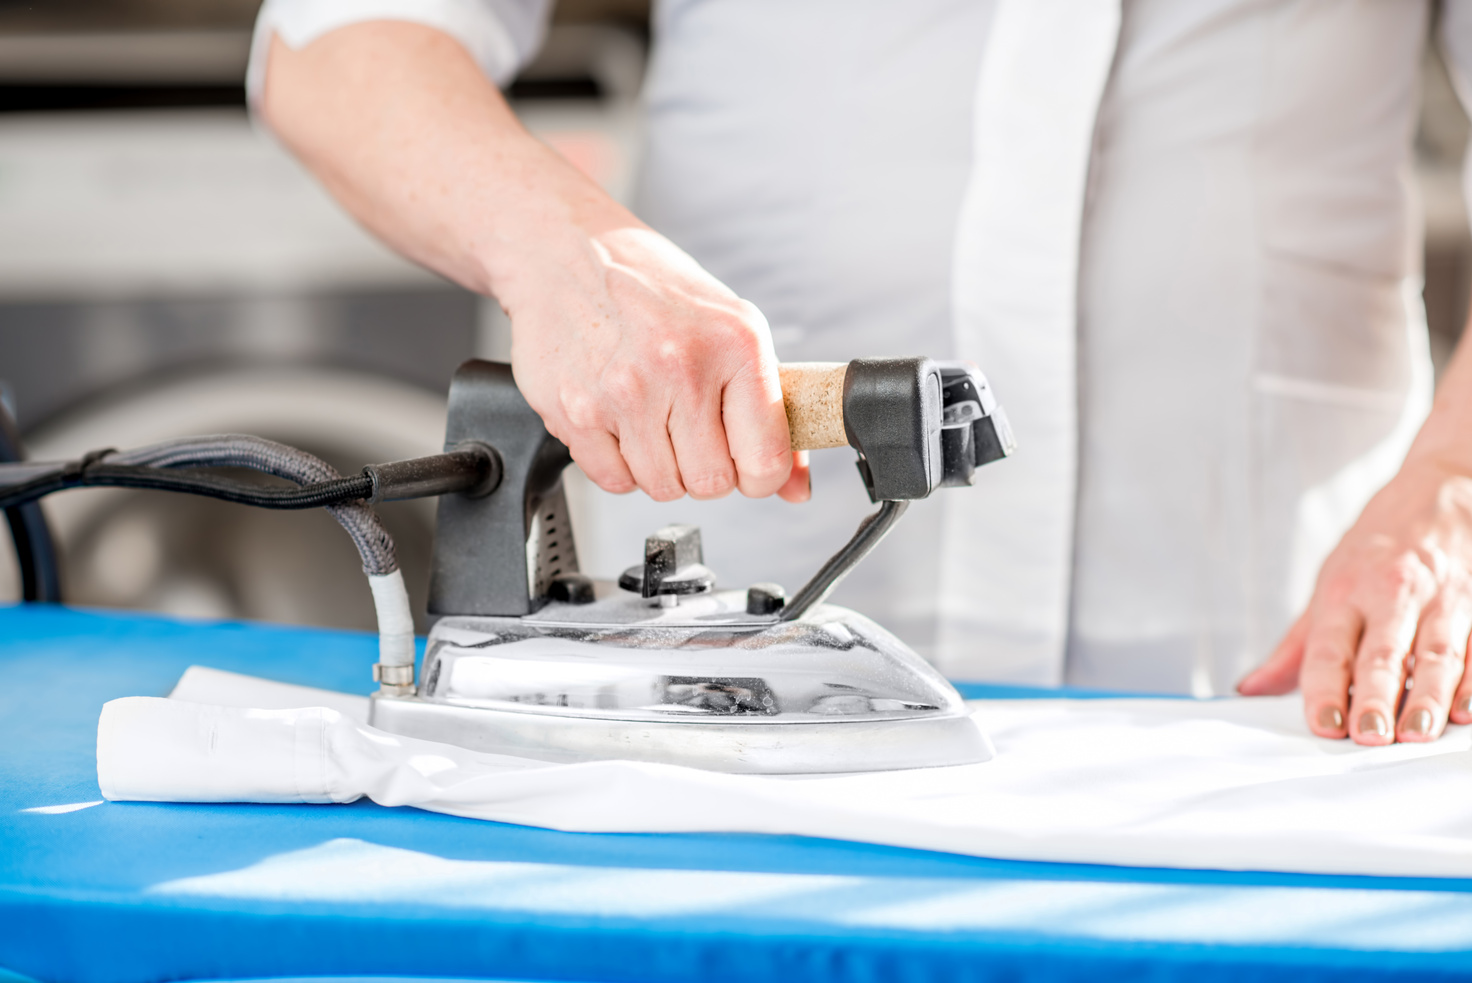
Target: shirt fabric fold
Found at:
x=1227, y=784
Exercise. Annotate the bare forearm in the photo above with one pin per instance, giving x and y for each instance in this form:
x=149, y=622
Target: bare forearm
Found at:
x=654, y=373
x=1445, y=441
x=401, y=126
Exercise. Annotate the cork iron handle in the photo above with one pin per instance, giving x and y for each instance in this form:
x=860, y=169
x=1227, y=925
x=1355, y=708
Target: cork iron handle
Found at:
x=916, y=424
x=812, y=393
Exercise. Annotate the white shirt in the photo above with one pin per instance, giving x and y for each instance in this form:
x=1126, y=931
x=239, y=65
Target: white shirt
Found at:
x=1226, y=784
x=1185, y=254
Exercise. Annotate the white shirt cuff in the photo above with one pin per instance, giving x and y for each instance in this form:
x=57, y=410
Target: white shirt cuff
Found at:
x=471, y=22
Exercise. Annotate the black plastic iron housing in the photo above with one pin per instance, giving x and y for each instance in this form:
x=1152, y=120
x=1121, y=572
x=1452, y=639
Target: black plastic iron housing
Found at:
x=500, y=553
x=892, y=416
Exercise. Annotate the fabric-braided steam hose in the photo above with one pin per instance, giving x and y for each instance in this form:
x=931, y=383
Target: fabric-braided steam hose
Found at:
x=375, y=545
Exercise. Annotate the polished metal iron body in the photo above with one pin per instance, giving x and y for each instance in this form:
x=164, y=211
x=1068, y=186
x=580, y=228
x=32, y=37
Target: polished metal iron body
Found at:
x=702, y=683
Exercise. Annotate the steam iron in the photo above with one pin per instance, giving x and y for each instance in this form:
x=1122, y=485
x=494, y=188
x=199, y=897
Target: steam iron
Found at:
x=529, y=657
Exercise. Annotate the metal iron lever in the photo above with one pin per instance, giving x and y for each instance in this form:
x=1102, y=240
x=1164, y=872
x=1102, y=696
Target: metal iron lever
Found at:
x=918, y=425
x=873, y=529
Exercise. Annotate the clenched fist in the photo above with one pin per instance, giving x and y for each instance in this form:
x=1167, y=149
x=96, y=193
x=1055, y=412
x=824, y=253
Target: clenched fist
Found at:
x=654, y=374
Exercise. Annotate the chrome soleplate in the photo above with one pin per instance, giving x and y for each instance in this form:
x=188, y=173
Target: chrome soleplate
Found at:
x=745, y=747
x=704, y=685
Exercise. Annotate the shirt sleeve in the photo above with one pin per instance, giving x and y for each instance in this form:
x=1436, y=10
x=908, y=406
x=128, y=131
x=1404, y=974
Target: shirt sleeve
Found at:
x=501, y=35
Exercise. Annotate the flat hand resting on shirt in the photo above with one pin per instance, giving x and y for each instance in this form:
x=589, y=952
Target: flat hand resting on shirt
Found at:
x=651, y=370
x=1393, y=602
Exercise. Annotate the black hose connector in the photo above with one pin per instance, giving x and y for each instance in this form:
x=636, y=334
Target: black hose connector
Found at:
x=472, y=468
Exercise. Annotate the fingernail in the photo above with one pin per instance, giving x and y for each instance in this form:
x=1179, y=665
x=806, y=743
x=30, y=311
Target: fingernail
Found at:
x=1373, y=722
x=1331, y=719
x=1464, y=705
x=1417, y=722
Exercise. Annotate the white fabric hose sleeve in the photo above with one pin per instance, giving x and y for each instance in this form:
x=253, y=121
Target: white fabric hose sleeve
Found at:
x=395, y=620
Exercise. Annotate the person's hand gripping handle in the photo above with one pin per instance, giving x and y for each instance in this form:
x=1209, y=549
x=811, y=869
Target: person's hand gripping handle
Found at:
x=654, y=373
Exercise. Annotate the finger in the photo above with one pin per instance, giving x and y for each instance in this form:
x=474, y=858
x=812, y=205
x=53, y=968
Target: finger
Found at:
x=1380, y=671
x=1440, y=657
x=698, y=437
x=1328, y=656
x=1279, y=674
x=651, y=459
x=596, y=453
x=756, y=428
x=799, y=486
x=576, y=419
x=1462, y=702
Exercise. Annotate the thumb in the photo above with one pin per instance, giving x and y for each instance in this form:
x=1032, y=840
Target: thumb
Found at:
x=799, y=487
x=1279, y=674
x=756, y=427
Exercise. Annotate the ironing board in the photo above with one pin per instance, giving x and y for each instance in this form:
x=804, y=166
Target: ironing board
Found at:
x=92, y=892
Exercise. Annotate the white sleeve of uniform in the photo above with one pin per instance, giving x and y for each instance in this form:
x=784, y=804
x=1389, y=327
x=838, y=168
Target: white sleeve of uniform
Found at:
x=501, y=35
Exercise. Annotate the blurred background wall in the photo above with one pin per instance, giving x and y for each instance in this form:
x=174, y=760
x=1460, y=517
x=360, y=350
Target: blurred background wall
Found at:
x=165, y=270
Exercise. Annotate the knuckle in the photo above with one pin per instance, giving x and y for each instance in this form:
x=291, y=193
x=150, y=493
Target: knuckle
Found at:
x=664, y=491
x=752, y=318
x=1319, y=652
x=1395, y=577
x=1438, y=565
x=749, y=311
x=624, y=384
x=709, y=483
x=1438, y=657
x=729, y=333
x=1335, y=593
x=604, y=474
x=616, y=486
x=610, y=480
x=580, y=409
x=677, y=359
x=1381, y=656
x=742, y=344
x=1404, y=574
x=766, y=465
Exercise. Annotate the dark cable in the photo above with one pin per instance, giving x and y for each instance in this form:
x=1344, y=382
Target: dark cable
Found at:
x=88, y=475
x=472, y=468
x=374, y=544
x=35, y=547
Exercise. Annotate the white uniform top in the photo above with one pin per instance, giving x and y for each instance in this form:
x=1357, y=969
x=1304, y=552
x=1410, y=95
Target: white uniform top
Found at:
x=1179, y=238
